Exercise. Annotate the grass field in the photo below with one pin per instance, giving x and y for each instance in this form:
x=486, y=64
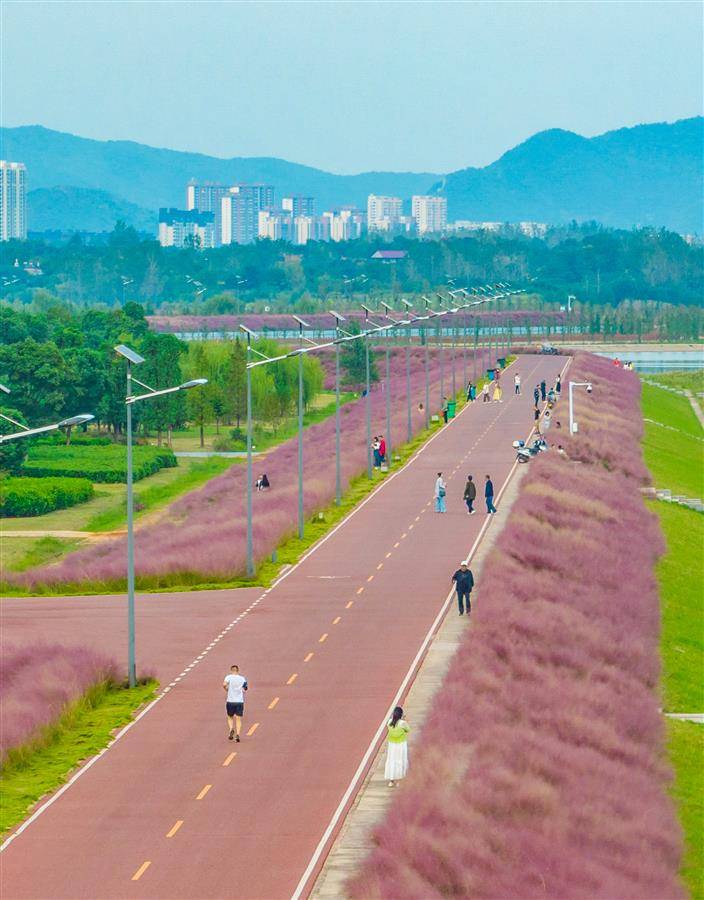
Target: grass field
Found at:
x=83, y=730
x=675, y=461
x=675, y=458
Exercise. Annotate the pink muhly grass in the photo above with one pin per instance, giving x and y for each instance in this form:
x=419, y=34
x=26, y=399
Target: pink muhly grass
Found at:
x=539, y=772
x=38, y=681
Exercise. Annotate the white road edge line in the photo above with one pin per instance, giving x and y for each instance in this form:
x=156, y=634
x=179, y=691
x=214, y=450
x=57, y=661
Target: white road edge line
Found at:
x=380, y=730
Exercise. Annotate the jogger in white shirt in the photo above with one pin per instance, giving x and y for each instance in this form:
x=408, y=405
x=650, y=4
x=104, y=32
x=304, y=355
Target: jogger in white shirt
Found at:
x=235, y=685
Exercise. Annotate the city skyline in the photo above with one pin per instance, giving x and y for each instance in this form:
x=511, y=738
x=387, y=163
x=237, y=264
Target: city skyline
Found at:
x=484, y=87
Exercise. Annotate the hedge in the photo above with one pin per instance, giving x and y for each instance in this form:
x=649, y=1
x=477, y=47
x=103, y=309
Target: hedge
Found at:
x=36, y=496
x=104, y=464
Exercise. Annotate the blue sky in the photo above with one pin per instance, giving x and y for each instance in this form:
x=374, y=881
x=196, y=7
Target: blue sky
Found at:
x=351, y=86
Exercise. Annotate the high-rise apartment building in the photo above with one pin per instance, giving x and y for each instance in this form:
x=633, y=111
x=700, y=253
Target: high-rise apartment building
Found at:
x=13, y=201
x=299, y=206
x=430, y=213
x=383, y=213
x=342, y=225
x=275, y=225
x=186, y=228
x=239, y=212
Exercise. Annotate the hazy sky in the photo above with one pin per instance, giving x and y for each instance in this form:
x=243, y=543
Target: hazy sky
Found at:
x=424, y=86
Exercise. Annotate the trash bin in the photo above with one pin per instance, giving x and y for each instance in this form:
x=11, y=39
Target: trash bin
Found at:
x=451, y=409
x=490, y=373
x=502, y=362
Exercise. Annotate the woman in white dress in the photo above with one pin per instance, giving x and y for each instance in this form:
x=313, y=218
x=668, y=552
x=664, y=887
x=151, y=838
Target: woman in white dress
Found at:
x=397, y=747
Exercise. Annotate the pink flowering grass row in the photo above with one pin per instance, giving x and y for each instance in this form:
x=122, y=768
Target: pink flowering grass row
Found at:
x=38, y=681
x=540, y=771
x=203, y=535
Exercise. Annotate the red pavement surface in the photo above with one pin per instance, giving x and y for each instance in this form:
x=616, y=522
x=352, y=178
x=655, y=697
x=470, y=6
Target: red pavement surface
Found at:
x=256, y=827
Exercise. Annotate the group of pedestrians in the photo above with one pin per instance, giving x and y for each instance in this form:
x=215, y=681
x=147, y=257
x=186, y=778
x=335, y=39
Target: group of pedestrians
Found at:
x=542, y=394
x=469, y=496
x=379, y=450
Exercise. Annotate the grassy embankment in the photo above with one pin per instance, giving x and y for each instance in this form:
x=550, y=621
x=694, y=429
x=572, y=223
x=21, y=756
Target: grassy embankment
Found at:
x=107, y=511
x=675, y=460
x=83, y=730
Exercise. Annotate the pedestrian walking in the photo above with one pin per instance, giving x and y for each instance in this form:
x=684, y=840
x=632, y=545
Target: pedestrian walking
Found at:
x=469, y=392
x=485, y=392
x=543, y=390
x=464, y=582
x=445, y=409
x=440, y=491
x=547, y=421
x=397, y=729
x=558, y=386
x=489, y=495
x=497, y=393
x=536, y=394
x=235, y=685
x=517, y=384
x=473, y=390
x=470, y=495
x=536, y=418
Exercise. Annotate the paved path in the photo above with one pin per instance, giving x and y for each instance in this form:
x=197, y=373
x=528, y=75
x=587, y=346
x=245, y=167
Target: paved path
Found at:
x=173, y=809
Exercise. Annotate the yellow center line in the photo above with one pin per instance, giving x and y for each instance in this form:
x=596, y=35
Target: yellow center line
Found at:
x=397, y=544
x=417, y=518
x=360, y=590
x=253, y=729
x=273, y=703
x=404, y=535
x=293, y=678
x=308, y=658
x=141, y=870
x=323, y=637
x=204, y=792
x=336, y=620
x=175, y=828
x=228, y=759
x=388, y=554
x=371, y=578
x=348, y=605
x=380, y=566
x=411, y=526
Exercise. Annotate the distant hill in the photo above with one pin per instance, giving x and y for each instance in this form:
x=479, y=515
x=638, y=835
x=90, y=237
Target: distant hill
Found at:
x=150, y=177
x=647, y=175
x=84, y=209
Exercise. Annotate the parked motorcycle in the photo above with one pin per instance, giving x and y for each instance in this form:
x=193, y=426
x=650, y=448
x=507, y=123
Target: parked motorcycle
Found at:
x=526, y=452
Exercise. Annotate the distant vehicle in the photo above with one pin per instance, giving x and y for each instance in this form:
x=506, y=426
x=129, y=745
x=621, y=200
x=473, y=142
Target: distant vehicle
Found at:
x=525, y=453
x=549, y=350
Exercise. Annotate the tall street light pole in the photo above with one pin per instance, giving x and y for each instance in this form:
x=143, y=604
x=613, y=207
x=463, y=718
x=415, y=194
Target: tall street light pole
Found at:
x=409, y=422
x=301, y=515
x=572, y=385
x=368, y=397
x=387, y=310
x=134, y=358
x=338, y=478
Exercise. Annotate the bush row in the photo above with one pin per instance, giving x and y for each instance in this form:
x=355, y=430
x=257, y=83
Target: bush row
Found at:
x=104, y=464
x=539, y=773
x=36, y=496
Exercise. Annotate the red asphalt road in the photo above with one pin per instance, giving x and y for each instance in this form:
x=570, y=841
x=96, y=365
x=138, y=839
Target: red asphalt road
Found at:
x=189, y=620
x=251, y=823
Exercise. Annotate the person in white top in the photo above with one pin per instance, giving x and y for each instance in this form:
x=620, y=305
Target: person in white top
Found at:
x=485, y=392
x=439, y=495
x=235, y=685
x=517, y=383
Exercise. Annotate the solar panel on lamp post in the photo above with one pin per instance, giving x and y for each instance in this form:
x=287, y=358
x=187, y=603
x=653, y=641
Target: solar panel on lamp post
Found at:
x=409, y=421
x=301, y=515
x=133, y=358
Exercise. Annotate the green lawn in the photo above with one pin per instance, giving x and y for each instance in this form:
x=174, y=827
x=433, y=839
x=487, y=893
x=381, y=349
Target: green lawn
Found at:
x=675, y=461
x=83, y=730
x=20, y=554
x=675, y=458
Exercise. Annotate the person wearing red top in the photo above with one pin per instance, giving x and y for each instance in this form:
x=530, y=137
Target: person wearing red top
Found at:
x=382, y=448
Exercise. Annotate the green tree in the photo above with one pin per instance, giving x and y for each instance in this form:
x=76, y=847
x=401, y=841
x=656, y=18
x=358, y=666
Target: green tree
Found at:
x=40, y=379
x=236, y=381
x=13, y=453
x=353, y=359
x=162, y=369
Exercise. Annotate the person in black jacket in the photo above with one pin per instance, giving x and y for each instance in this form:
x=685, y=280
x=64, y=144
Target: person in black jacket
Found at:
x=464, y=582
x=489, y=495
x=470, y=495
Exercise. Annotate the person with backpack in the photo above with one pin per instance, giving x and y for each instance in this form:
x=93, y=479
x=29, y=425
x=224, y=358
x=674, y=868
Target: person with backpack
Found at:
x=470, y=495
x=464, y=582
x=440, y=491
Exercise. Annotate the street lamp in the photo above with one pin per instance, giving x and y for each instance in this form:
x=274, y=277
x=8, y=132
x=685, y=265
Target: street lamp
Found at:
x=134, y=358
x=301, y=518
x=30, y=432
x=388, y=309
x=125, y=281
x=574, y=384
x=338, y=331
x=409, y=429
x=367, y=313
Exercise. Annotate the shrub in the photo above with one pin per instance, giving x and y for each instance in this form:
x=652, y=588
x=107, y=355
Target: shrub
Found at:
x=222, y=444
x=36, y=496
x=539, y=772
x=104, y=464
x=13, y=453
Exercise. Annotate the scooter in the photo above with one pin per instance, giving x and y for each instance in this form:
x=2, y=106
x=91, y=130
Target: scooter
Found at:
x=525, y=453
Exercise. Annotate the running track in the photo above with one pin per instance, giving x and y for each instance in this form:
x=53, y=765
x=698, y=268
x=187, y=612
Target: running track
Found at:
x=173, y=809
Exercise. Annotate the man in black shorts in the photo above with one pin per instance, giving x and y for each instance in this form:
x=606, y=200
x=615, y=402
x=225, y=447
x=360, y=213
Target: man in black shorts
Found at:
x=235, y=685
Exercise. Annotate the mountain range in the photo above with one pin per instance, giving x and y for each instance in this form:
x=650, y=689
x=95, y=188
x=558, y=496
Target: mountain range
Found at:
x=646, y=175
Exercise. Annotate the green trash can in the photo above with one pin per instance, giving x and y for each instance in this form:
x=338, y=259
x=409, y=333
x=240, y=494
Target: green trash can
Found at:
x=502, y=362
x=491, y=374
x=451, y=409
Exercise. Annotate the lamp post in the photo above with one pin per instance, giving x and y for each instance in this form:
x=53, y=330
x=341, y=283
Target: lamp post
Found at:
x=134, y=358
x=338, y=480
x=30, y=432
x=367, y=404
x=250, y=543
x=387, y=310
x=572, y=385
x=409, y=424
x=301, y=517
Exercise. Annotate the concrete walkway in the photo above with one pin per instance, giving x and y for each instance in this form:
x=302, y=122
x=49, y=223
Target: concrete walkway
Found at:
x=82, y=535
